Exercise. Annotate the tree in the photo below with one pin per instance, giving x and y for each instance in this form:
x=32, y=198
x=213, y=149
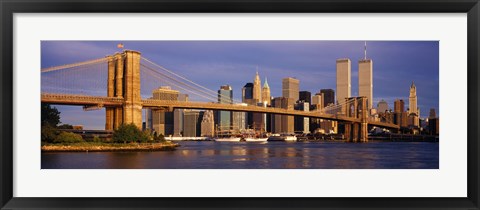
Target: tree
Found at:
x=65, y=126
x=50, y=116
x=68, y=137
x=129, y=133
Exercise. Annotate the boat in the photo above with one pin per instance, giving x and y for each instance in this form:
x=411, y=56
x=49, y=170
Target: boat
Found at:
x=227, y=135
x=227, y=139
x=255, y=139
x=282, y=137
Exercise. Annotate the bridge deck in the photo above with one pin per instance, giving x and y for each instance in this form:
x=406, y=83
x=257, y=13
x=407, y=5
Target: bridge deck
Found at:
x=66, y=99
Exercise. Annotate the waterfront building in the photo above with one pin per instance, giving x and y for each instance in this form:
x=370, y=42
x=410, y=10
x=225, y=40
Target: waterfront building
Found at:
x=382, y=106
x=192, y=123
x=257, y=89
x=344, y=83
x=305, y=96
x=302, y=124
x=178, y=117
x=328, y=96
x=433, y=126
x=224, y=118
x=282, y=123
x=161, y=120
x=207, y=124
x=290, y=88
x=266, y=98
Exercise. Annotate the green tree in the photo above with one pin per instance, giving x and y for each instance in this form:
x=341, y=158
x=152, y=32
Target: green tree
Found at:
x=129, y=133
x=68, y=137
x=50, y=116
x=49, y=133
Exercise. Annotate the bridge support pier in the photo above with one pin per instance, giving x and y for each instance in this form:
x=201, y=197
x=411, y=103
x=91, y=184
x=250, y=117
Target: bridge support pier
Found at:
x=124, y=82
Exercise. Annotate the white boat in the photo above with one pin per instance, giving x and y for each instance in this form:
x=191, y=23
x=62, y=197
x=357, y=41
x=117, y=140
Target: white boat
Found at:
x=282, y=137
x=290, y=138
x=230, y=139
x=253, y=139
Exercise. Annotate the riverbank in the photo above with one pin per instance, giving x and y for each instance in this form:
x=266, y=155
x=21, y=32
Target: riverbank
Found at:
x=109, y=147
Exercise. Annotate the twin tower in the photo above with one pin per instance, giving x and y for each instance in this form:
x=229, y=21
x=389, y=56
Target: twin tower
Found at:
x=365, y=80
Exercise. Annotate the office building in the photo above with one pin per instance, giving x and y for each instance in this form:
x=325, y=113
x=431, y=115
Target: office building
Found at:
x=192, y=123
x=317, y=101
x=178, y=117
x=207, y=124
x=302, y=124
x=365, y=80
x=344, y=83
x=432, y=114
x=224, y=118
x=266, y=98
x=257, y=89
x=282, y=123
x=161, y=121
x=290, y=88
x=328, y=96
x=305, y=96
x=399, y=106
x=382, y=106
x=247, y=93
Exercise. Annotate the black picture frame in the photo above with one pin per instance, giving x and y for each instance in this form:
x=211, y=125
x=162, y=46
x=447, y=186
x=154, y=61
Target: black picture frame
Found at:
x=10, y=7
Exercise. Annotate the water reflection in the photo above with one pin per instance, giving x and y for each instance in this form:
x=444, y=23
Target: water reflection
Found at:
x=271, y=155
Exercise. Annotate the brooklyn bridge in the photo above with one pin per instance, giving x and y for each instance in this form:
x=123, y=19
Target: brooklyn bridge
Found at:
x=121, y=83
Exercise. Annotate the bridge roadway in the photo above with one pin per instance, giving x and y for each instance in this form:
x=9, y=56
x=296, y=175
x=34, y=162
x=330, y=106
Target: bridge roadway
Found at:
x=103, y=101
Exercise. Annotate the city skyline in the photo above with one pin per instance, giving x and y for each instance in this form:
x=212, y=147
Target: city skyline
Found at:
x=314, y=71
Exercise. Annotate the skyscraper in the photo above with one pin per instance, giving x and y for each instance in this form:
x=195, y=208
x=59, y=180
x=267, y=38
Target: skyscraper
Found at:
x=344, y=82
x=207, y=124
x=365, y=79
x=305, y=96
x=412, y=100
x=302, y=124
x=247, y=93
x=266, y=98
x=257, y=89
x=178, y=117
x=328, y=96
x=290, y=88
x=225, y=96
x=382, y=106
x=282, y=123
x=192, y=123
x=399, y=106
x=317, y=101
x=162, y=122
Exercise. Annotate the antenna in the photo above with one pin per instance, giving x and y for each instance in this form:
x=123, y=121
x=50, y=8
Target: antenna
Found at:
x=365, y=49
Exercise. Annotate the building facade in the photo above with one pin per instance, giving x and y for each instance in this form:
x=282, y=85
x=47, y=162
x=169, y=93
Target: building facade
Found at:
x=162, y=122
x=382, y=106
x=224, y=118
x=344, y=82
x=282, y=123
x=328, y=96
x=178, y=117
x=257, y=89
x=266, y=98
x=290, y=88
x=365, y=80
x=192, y=123
x=207, y=124
x=305, y=96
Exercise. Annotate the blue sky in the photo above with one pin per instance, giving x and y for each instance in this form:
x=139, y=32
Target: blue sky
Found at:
x=214, y=63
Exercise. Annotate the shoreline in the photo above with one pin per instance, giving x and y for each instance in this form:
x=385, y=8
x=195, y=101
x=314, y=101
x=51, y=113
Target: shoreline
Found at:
x=110, y=147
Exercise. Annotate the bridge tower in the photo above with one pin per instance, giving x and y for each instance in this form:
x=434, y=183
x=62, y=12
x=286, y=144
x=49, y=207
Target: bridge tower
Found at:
x=124, y=82
x=356, y=107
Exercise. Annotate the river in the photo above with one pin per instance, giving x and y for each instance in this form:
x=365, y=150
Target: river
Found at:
x=250, y=155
